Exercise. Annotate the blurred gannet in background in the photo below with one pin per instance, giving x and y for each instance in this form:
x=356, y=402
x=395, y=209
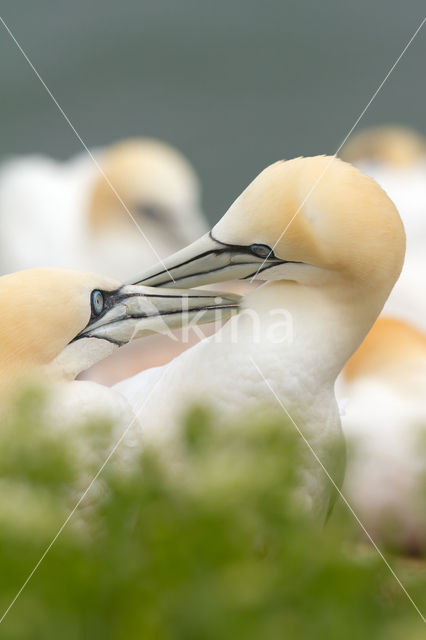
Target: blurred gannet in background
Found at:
x=396, y=158
x=385, y=418
x=162, y=192
x=386, y=145
x=65, y=214
x=328, y=277
x=56, y=322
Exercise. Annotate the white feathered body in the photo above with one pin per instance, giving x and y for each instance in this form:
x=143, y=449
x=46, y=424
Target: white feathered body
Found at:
x=385, y=424
x=223, y=372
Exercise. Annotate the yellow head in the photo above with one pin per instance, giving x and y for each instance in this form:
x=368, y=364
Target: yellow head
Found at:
x=319, y=212
x=316, y=221
x=156, y=183
x=42, y=311
x=71, y=319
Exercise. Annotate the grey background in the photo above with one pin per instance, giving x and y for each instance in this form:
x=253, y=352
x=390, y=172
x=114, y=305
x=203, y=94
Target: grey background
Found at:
x=235, y=84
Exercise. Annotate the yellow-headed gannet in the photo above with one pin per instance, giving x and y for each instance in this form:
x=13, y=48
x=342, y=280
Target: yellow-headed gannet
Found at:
x=57, y=322
x=330, y=244
x=70, y=214
x=385, y=418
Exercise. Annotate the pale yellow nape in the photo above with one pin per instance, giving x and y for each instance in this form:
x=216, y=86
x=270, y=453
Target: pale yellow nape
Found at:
x=141, y=170
x=392, y=145
x=42, y=310
x=388, y=348
x=324, y=212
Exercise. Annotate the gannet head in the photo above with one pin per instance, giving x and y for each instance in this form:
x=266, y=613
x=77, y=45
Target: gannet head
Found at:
x=391, y=145
x=158, y=186
x=68, y=320
x=316, y=221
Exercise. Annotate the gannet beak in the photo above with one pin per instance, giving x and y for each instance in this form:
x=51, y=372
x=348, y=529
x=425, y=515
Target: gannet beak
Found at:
x=135, y=311
x=206, y=261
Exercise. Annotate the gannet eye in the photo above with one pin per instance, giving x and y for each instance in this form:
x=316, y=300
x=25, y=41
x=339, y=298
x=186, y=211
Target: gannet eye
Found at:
x=152, y=211
x=262, y=251
x=97, y=302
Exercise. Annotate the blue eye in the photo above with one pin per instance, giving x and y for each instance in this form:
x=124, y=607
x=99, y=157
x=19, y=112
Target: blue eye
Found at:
x=262, y=250
x=97, y=302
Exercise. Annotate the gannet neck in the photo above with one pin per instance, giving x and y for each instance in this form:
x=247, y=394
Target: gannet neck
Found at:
x=78, y=356
x=318, y=325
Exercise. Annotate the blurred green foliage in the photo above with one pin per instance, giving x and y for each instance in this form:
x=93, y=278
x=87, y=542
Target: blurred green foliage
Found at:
x=210, y=546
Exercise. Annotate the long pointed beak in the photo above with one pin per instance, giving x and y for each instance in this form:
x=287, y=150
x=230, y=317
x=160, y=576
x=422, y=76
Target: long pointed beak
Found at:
x=136, y=311
x=206, y=261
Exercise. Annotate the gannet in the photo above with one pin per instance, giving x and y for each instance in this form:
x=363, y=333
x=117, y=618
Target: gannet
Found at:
x=71, y=214
x=385, y=420
x=327, y=279
x=396, y=158
x=56, y=322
